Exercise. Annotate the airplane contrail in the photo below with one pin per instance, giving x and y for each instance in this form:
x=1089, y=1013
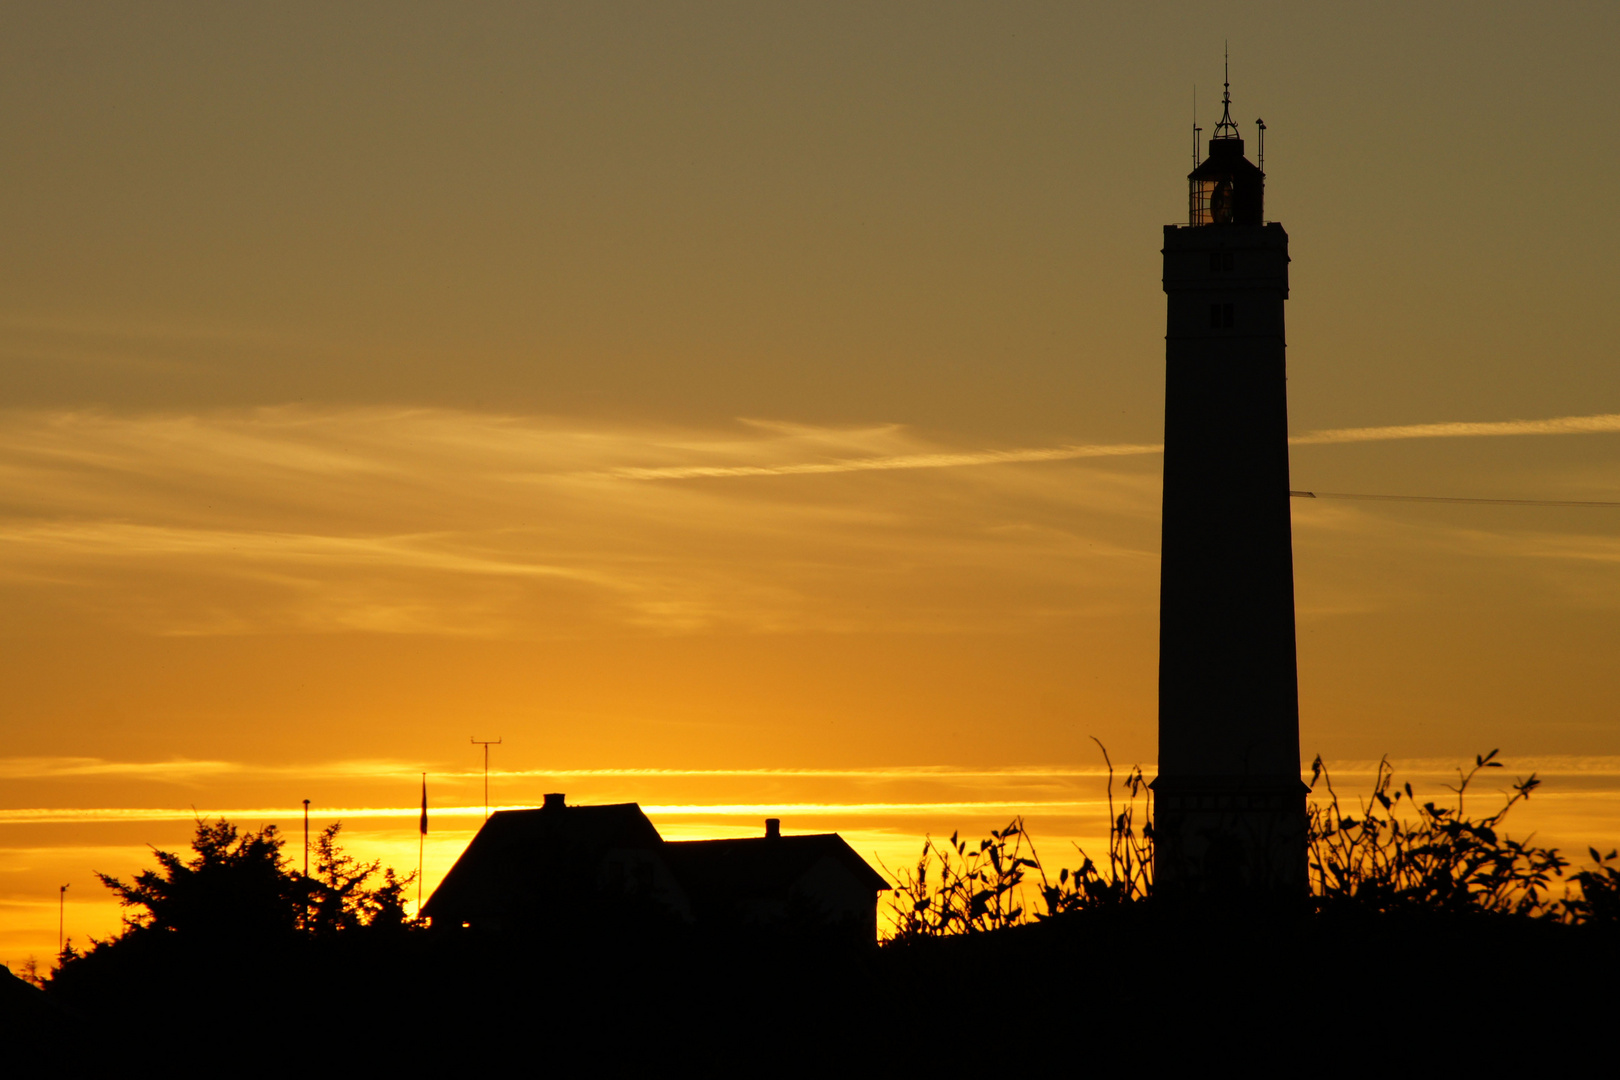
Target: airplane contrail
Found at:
x=1561, y=425
x=899, y=461
x=1449, y=499
x=1558, y=425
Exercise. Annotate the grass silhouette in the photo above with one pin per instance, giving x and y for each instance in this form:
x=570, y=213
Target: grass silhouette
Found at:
x=956, y=888
x=1385, y=854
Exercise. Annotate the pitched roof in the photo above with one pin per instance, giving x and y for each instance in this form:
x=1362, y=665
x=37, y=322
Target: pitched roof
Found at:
x=761, y=865
x=520, y=854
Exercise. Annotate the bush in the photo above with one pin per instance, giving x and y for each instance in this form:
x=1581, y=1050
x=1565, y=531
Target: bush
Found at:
x=1442, y=861
x=1370, y=859
x=956, y=889
x=238, y=886
x=1599, y=897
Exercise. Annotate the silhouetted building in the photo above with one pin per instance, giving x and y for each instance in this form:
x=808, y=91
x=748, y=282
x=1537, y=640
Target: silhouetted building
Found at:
x=528, y=866
x=774, y=880
x=1230, y=813
x=562, y=865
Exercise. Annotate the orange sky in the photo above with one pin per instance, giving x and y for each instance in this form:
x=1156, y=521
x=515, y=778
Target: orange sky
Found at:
x=756, y=388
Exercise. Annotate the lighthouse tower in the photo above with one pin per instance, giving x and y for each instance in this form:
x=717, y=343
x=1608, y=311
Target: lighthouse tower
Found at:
x=1230, y=816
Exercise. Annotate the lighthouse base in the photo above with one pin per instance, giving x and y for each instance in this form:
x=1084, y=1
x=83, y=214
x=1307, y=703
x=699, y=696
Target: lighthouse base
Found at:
x=1239, y=837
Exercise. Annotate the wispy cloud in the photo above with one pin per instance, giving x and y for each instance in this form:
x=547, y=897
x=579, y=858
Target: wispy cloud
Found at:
x=411, y=521
x=53, y=768
x=1584, y=784
x=41, y=768
x=1564, y=425
x=902, y=772
x=185, y=770
x=240, y=815
x=112, y=815
x=437, y=521
x=883, y=464
x=1558, y=425
x=373, y=768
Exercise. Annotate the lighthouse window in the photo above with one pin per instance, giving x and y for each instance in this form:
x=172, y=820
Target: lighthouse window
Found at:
x=1220, y=261
x=1220, y=316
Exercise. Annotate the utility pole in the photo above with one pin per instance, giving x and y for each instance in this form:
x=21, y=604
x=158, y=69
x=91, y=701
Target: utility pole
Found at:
x=486, y=744
x=61, y=922
x=306, y=838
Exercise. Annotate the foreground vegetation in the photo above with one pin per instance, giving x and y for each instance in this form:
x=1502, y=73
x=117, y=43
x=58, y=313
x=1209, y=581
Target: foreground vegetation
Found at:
x=1417, y=906
x=1385, y=854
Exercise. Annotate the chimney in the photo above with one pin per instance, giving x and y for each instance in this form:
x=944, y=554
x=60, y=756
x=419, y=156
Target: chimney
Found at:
x=773, y=828
x=554, y=801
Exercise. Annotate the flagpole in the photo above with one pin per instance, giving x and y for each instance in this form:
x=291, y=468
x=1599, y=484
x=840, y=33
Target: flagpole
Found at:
x=421, y=847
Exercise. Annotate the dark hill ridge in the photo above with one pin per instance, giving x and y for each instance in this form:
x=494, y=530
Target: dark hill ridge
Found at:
x=1121, y=983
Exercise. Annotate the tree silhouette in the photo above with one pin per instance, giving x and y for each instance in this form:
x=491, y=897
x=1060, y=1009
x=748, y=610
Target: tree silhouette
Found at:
x=231, y=920
x=235, y=885
x=238, y=885
x=338, y=898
